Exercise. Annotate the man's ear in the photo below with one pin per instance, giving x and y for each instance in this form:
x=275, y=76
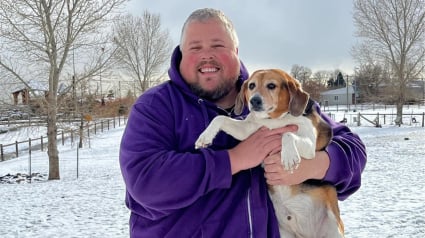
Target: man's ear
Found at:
x=299, y=98
x=240, y=99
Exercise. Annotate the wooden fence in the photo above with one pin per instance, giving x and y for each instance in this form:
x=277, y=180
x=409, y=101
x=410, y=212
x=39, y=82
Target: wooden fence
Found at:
x=379, y=119
x=40, y=143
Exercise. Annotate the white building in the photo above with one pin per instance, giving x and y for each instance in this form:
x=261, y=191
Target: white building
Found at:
x=340, y=96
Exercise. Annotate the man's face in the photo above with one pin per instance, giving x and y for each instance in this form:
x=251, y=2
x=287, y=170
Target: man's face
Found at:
x=210, y=63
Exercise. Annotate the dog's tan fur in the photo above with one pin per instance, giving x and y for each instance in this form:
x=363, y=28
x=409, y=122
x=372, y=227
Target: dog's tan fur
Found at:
x=275, y=99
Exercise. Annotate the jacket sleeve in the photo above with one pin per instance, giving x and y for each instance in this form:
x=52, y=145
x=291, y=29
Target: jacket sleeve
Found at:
x=160, y=174
x=347, y=155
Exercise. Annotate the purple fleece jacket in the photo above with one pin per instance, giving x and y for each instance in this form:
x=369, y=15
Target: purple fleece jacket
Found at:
x=174, y=190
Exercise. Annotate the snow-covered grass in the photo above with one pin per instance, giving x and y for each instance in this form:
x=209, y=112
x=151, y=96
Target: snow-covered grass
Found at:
x=91, y=205
x=390, y=203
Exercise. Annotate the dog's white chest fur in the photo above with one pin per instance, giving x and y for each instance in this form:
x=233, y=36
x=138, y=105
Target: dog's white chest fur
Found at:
x=301, y=216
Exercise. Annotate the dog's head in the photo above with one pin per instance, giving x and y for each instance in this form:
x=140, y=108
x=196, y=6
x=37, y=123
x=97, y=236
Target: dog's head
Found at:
x=272, y=93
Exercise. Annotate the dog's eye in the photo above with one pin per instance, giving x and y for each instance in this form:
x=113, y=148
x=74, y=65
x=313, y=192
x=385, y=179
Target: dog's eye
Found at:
x=271, y=86
x=251, y=86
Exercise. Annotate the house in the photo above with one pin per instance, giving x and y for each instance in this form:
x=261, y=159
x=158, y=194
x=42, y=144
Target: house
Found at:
x=340, y=96
x=33, y=88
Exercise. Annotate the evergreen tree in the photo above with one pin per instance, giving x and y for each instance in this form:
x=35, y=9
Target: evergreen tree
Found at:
x=340, y=82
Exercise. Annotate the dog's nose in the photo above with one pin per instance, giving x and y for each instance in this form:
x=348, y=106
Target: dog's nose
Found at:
x=256, y=102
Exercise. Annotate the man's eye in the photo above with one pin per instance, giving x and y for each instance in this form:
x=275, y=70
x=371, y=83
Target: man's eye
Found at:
x=195, y=48
x=217, y=46
x=251, y=86
x=271, y=86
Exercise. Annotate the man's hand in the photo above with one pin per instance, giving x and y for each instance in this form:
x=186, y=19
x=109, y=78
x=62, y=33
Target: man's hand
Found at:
x=252, y=151
x=315, y=168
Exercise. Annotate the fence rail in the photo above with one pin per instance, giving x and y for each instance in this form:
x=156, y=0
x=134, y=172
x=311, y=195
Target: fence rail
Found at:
x=378, y=119
x=40, y=143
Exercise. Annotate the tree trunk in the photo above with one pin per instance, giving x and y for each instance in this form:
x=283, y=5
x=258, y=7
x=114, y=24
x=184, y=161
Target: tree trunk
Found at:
x=399, y=107
x=399, y=117
x=52, y=148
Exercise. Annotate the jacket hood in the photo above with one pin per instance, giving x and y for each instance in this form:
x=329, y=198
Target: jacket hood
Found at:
x=176, y=78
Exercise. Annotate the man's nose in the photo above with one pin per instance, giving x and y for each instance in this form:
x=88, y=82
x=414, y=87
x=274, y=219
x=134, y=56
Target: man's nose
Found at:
x=207, y=54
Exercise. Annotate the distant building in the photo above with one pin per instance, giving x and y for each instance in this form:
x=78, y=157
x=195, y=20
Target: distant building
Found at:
x=25, y=95
x=416, y=91
x=340, y=96
x=21, y=93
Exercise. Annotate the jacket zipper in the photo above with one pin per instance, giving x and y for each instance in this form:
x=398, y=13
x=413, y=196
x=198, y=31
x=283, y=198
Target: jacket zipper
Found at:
x=249, y=213
x=248, y=203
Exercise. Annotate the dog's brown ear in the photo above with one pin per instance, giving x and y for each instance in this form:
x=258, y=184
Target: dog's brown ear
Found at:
x=299, y=98
x=240, y=99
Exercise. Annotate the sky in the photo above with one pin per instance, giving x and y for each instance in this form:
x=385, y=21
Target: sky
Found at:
x=274, y=34
x=390, y=202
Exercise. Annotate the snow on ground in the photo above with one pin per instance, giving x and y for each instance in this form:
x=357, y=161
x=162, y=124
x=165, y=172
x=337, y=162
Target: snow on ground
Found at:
x=90, y=206
x=390, y=203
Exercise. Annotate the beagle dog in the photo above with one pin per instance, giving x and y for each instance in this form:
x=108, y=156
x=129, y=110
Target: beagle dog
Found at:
x=275, y=99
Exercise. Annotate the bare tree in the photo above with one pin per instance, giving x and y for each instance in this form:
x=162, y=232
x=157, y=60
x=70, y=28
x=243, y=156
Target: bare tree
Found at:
x=314, y=87
x=142, y=47
x=371, y=82
x=322, y=76
x=301, y=73
x=394, y=31
x=37, y=37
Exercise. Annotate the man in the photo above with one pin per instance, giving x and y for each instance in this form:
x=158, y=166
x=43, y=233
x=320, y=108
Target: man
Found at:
x=174, y=190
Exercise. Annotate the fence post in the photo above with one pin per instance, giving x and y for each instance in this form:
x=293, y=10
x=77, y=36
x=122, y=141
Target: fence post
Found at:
x=63, y=139
x=16, y=148
x=114, y=122
x=108, y=124
x=95, y=123
x=101, y=126
x=41, y=140
x=88, y=130
x=29, y=146
x=78, y=160
x=423, y=116
x=1, y=150
x=29, y=159
x=88, y=133
x=377, y=119
x=358, y=119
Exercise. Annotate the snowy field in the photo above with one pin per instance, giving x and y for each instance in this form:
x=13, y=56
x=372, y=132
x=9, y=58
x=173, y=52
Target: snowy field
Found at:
x=390, y=203
x=90, y=206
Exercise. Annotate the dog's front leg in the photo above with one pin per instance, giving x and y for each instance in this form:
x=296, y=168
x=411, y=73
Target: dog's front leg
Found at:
x=239, y=129
x=289, y=154
x=294, y=147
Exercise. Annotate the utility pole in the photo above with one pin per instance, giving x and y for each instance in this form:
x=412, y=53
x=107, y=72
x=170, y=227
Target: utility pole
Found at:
x=348, y=103
x=423, y=91
x=74, y=96
x=100, y=74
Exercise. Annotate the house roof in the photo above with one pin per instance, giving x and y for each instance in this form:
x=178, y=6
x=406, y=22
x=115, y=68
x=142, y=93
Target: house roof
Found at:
x=33, y=84
x=339, y=91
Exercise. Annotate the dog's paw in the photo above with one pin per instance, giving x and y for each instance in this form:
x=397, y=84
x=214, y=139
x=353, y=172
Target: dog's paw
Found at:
x=204, y=140
x=290, y=159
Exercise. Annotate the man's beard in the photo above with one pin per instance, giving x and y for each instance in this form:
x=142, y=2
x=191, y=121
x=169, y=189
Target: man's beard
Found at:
x=220, y=92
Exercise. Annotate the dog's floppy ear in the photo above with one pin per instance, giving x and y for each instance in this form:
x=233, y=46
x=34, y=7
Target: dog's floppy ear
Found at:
x=299, y=98
x=240, y=99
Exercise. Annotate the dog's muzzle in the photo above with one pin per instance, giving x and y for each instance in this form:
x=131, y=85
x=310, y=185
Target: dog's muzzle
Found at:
x=256, y=103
